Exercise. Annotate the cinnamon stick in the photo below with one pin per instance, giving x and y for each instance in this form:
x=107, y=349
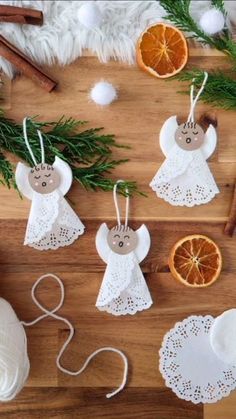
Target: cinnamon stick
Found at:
x=20, y=15
x=25, y=65
x=231, y=223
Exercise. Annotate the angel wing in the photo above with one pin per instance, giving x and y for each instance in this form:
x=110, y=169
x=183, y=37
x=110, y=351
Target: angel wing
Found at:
x=22, y=180
x=144, y=243
x=101, y=242
x=66, y=176
x=167, y=135
x=210, y=141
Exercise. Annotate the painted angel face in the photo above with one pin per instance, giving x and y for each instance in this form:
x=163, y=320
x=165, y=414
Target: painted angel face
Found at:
x=122, y=240
x=189, y=136
x=43, y=178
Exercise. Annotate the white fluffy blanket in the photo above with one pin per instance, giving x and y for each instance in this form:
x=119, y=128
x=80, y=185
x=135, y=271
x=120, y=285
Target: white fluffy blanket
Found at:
x=62, y=38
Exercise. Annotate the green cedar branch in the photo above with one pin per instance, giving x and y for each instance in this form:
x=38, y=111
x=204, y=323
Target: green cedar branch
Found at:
x=219, y=91
x=88, y=152
x=219, y=4
x=178, y=12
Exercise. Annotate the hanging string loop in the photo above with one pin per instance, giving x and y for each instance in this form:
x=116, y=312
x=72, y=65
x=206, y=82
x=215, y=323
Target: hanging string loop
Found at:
x=193, y=101
x=28, y=144
x=117, y=206
x=52, y=313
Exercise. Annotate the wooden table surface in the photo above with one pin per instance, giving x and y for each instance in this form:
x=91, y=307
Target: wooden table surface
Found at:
x=143, y=105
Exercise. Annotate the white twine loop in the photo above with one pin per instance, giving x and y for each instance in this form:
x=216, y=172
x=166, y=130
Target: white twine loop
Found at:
x=193, y=101
x=51, y=313
x=116, y=204
x=28, y=144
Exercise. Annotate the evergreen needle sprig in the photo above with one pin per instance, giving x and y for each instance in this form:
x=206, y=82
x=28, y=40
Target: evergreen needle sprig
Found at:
x=88, y=152
x=219, y=91
x=178, y=12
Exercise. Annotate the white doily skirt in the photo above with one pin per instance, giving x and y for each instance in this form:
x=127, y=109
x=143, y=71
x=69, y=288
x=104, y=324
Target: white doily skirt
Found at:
x=52, y=222
x=185, y=179
x=124, y=289
x=190, y=367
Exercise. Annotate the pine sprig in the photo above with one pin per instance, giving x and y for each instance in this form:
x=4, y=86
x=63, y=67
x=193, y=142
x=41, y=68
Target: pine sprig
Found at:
x=219, y=91
x=178, y=12
x=88, y=152
x=6, y=171
x=219, y=4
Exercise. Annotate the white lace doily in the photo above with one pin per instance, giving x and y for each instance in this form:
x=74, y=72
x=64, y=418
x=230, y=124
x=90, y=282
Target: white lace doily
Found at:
x=52, y=222
x=124, y=289
x=190, y=367
x=184, y=179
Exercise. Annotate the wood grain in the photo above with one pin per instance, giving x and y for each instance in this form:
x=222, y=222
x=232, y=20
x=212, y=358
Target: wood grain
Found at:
x=144, y=103
x=74, y=403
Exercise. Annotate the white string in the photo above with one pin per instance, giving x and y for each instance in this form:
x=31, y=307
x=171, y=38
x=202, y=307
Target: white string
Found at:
x=27, y=141
x=41, y=146
x=117, y=207
x=191, y=94
x=28, y=144
x=51, y=313
x=193, y=102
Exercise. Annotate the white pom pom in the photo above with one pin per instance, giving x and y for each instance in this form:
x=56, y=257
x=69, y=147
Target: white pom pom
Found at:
x=14, y=362
x=89, y=15
x=103, y=93
x=212, y=21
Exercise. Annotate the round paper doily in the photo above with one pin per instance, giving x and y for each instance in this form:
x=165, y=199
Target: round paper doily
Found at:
x=190, y=367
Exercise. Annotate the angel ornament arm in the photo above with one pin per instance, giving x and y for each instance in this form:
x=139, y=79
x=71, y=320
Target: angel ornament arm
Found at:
x=185, y=178
x=52, y=222
x=124, y=289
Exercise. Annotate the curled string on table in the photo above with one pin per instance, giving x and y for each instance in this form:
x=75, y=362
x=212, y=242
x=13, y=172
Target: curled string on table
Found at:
x=14, y=361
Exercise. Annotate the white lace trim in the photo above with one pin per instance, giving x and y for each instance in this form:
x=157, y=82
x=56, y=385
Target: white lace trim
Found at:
x=185, y=179
x=124, y=289
x=52, y=222
x=190, y=367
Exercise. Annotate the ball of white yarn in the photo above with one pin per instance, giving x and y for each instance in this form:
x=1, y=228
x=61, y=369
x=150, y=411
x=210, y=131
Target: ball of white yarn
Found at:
x=212, y=21
x=14, y=361
x=103, y=93
x=89, y=15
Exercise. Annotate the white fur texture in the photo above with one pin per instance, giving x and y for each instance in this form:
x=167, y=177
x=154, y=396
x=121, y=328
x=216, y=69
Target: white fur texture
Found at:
x=212, y=21
x=62, y=38
x=103, y=93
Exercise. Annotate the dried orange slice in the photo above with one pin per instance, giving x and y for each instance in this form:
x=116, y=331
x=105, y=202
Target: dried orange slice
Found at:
x=162, y=50
x=195, y=261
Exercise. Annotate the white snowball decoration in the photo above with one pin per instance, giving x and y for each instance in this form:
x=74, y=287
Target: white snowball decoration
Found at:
x=89, y=15
x=14, y=361
x=212, y=21
x=103, y=93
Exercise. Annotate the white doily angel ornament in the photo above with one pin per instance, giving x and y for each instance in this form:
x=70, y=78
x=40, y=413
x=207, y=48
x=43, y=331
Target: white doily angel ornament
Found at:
x=52, y=223
x=124, y=289
x=185, y=178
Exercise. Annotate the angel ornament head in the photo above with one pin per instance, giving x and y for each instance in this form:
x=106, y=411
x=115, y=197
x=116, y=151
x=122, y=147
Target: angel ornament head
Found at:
x=185, y=178
x=124, y=289
x=52, y=223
